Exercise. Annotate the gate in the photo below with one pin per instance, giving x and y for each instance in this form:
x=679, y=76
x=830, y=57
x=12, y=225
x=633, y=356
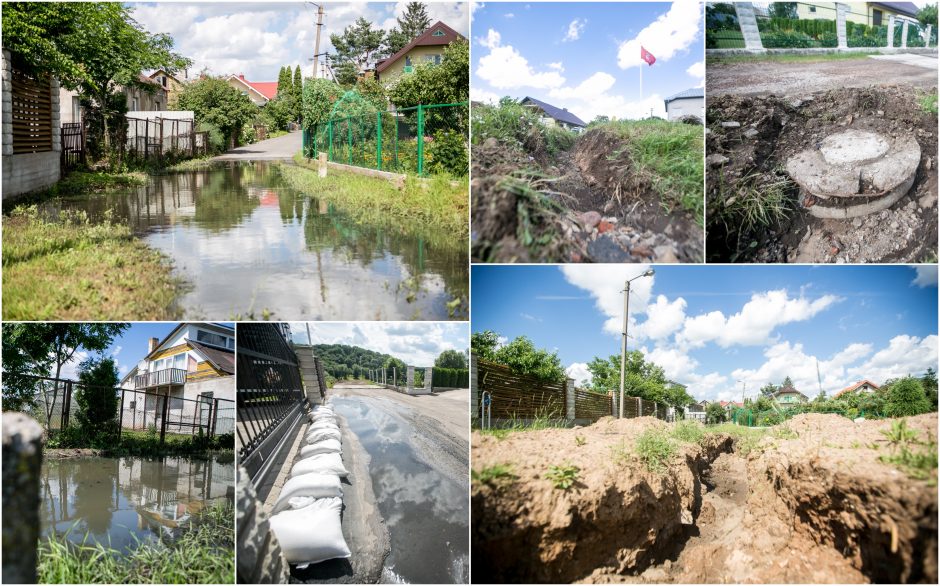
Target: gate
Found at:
x=73, y=145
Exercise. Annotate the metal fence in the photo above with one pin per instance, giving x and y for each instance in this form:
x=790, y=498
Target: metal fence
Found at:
x=156, y=137
x=56, y=402
x=73, y=145
x=763, y=418
x=269, y=394
x=425, y=140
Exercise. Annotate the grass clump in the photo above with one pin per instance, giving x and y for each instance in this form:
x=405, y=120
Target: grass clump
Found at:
x=746, y=439
x=928, y=103
x=544, y=419
x=515, y=125
x=69, y=268
x=689, y=432
x=563, y=477
x=205, y=554
x=914, y=457
x=786, y=58
x=655, y=448
x=744, y=210
x=496, y=475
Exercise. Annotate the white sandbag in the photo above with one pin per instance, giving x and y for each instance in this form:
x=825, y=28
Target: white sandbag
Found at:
x=311, y=534
x=318, y=435
x=327, y=446
x=308, y=485
x=324, y=425
x=322, y=417
x=320, y=464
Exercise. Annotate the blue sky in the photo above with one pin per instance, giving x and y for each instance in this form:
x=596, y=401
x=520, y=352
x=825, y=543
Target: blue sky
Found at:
x=712, y=327
x=258, y=38
x=417, y=343
x=585, y=56
x=127, y=349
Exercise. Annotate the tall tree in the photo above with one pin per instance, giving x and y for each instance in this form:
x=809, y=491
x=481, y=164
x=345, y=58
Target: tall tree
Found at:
x=412, y=23
x=96, y=396
x=928, y=15
x=215, y=102
x=285, y=86
x=451, y=359
x=356, y=49
x=298, y=90
x=446, y=83
x=42, y=349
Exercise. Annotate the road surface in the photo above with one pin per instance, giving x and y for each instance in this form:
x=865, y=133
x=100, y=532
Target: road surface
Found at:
x=282, y=148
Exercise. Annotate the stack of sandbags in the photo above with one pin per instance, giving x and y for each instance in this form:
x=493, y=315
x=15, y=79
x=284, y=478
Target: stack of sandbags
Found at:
x=306, y=516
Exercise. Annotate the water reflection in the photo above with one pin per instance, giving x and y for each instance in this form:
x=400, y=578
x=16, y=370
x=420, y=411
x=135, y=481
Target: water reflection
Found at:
x=249, y=244
x=120, y=501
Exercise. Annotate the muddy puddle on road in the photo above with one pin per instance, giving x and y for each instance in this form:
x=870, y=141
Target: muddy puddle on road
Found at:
x=125, y=501
x=248, y=245
x=426, y=510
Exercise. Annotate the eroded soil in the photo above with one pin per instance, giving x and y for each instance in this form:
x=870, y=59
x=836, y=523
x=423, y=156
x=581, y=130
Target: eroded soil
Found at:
x=588, y=205
x=809, y=503
x=748, y=142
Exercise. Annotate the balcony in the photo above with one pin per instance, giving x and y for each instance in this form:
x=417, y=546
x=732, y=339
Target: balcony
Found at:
x=167, y=376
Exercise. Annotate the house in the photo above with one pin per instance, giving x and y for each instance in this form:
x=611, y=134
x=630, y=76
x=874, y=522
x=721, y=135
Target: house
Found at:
x=787, y=395
x=32, y=142
x=862, y=386
x=729, y=405
x=696, y=411
x=168, y=82
x=868, y=13
x=153, y=97
x=260, y=92
x=191, y=367
x=553, y=116
x=690, y=102
x=428, y=47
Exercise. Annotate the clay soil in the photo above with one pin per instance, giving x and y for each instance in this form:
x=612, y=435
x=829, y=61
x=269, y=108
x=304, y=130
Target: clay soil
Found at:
x=809, y=502
x=771, y=129
x=589, y=205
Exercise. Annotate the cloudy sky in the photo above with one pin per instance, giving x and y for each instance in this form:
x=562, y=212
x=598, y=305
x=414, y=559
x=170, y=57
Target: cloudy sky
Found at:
x=417, y=343
x=586, y=56
x=258, y=38
x=713, y=327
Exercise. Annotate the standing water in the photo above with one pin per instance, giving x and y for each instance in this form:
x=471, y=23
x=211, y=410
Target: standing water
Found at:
x=120, y=502
x=425, y=508
x=248, y=245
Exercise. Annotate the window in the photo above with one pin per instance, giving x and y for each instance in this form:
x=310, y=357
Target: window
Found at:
x=76, y=109
x=812, y=9
x=163, y=80
x=438, y=33
x=407, y=60
x=435, y=59
x=134, y=105
x=179, y=361
x=876, y=16
x=212, y=339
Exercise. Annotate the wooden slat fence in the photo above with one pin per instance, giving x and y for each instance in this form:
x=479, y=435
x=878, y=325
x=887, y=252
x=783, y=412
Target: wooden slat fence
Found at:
x=31, y=112
x=590, y=405
x=520, y=397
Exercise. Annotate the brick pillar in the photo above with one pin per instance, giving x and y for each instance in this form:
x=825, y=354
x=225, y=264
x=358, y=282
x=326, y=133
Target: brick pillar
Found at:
x=904, y=35
x=890, y=31
x=748, y=23
x=570, y=413
x=842, y=11
x=22, y=467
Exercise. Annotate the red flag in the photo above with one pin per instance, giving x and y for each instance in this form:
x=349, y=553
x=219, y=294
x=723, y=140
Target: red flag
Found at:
x=647, y=56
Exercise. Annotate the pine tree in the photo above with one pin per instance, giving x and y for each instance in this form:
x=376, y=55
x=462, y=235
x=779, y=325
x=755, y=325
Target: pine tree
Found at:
x=284, y=84
x=412, y=23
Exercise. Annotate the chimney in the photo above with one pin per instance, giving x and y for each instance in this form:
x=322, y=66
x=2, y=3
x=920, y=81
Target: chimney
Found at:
x=153, y=345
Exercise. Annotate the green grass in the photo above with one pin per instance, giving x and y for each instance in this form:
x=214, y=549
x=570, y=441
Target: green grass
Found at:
x=689, y=432
x=80, y=184
x=928, y=103
x=655, y=448
x=914, y=457
x=205, y=554
x=543, y=420
x=514, y=125
x=438, y=203
x=191, y=164
x=74, y=269
x=745, y=438
x=714, y=60
x=670, y=156
x=563, y=477
x=496, y=475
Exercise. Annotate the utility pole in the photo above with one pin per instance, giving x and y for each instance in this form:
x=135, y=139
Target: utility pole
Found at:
x=316, y=47
x=623, y=344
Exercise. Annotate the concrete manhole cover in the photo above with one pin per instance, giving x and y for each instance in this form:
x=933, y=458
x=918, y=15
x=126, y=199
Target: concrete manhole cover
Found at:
x=855, y=164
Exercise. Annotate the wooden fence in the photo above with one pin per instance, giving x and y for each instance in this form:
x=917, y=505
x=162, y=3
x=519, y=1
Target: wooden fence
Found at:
x=590, y=405
x=31, y=112
x=73, y=145
x=516, y=396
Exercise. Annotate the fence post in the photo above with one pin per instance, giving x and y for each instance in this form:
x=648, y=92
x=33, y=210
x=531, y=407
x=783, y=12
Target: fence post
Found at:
x=639, y=407
x=841, y=13
x=890, y=31
x=410, y=379
x=904, y=35
x=748, y=23
x=67, y=404
x=570, y=413
x=165, y=411
x=927, y=39
x=215, y=417
x=420, y=140
x=349, y=139
x=378, y=139
x=474, y=390
x=121, y=416
x=329, y=126
x=22, y=466
x=322, y=166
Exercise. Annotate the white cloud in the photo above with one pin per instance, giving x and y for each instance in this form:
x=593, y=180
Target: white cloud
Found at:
x=697, y=70
x=665, y=37
x=926, y=276
x=580, y=373
x=676, y=363
x=606, y=287
x=557, y=66
x=509, y=15
x=903, y=355
x=575, y=28
x=529, y=317
x=504, y=67
x=663, y=318
x=595, y=85
x=481, y=95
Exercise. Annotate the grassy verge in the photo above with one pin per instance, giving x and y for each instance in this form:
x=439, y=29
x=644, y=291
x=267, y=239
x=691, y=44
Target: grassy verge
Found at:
x=435, y=203
x=83, y=183
x=73, y=269
x=205, y=554
x=141, y=443
x=785, y=58
x=191, y=164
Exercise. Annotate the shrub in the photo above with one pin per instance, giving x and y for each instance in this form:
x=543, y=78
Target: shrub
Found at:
x=447, y=153
x=215, y=137
x=906, y=397
x=689, y=431
x=563, y=477
x=715, y=413
x=787, y=39
x=655, y=449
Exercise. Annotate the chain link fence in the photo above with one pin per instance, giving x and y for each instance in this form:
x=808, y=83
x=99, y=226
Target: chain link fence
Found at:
x=423, y=140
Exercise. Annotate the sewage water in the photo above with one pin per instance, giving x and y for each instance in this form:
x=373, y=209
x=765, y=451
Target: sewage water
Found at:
x=425, y=509
x=123, y=501
x=248, y=245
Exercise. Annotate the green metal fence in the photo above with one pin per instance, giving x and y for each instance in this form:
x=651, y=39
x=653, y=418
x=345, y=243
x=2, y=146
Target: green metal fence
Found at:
x=754, y=418
x=424, y=140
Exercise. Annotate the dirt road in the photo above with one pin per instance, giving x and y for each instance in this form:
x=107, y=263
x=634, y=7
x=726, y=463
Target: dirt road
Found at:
x=764, y=77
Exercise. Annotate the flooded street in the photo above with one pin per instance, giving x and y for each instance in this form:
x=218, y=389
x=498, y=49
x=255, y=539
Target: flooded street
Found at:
x=248, y=246
x=123, y=501
x=420, y=480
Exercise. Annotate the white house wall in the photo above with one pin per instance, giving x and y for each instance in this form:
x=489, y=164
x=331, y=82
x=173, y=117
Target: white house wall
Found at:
x=685, y=106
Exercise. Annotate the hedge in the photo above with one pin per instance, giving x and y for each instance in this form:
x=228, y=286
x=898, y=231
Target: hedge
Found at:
x=450, y=378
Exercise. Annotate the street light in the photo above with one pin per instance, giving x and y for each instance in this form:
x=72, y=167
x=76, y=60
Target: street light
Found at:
x=623, y=345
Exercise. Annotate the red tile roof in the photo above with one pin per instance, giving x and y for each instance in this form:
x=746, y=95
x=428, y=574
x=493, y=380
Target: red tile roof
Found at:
x=854, y=387
x=426, y=38
x=267, y=89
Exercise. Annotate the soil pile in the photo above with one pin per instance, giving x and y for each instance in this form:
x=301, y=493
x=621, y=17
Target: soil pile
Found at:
x=749, y=141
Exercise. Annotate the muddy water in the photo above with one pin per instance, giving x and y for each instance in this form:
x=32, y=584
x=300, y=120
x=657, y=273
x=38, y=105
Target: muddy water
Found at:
x=249, y=245
x=425, y=508
x=123, y=501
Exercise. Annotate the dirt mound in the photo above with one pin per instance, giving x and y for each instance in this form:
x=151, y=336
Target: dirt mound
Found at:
x=749, y=141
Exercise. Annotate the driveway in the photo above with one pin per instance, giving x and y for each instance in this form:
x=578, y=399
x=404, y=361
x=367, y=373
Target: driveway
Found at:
x=925, y=61
x=282, y=148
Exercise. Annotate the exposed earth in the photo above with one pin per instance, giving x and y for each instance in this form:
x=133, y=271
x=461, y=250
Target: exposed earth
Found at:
x=749, y=141
x=585, y=204
x=807, y=501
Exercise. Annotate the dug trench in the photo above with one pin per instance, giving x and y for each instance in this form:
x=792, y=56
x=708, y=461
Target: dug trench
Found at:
x=789, y=506
x=588, y=203
x=756, y=212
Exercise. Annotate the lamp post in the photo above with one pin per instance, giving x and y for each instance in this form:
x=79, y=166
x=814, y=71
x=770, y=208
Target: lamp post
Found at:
x=623, y=344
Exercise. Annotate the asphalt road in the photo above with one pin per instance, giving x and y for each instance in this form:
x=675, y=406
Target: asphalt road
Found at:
x=282, y=148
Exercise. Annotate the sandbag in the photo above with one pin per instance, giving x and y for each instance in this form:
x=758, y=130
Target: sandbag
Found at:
x=327, y=446
x=322, y=417
x=311, y=534
x=320, y=464
x=324, y=425
x=308, y=485
x=316, y=435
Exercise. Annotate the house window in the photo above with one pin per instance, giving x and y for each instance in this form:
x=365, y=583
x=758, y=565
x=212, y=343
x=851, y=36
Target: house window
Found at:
x=438, y=33
x=435, y=59
x=163, y=80
x=76, y=109
x=812, y=9
x=407, y=60
x=135, y=105
x=876, y=16
x=179, y=361
x=212, y=339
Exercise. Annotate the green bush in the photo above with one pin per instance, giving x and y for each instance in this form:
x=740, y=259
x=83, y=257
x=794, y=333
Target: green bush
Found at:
x=906, y=397
x=248, y=135
x=864, y=41
x=216, y=140
x=787, y=40
x=828, y=40
x=655, y=449
x=458, y=378
x=447, y=153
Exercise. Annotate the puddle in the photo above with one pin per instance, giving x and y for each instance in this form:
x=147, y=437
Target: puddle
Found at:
x=248, y=244
x=426, y=511
x=123, y=501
